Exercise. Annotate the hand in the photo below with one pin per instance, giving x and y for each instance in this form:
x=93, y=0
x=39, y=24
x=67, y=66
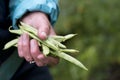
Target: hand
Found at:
x=28, y=48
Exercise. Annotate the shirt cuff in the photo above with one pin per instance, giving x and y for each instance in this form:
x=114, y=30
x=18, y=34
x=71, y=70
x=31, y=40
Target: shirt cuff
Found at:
x=47, y=6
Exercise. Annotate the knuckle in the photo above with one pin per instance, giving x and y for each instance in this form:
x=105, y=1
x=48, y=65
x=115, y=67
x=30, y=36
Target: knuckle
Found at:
x=20, y=55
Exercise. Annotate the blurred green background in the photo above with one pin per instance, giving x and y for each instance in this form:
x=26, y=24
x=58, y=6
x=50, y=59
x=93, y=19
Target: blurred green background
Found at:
x=97, y=23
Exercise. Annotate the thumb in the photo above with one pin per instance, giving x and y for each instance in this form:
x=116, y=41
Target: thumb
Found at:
x=43, y=32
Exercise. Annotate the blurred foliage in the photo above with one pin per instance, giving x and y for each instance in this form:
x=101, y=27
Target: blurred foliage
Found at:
x=97, y=23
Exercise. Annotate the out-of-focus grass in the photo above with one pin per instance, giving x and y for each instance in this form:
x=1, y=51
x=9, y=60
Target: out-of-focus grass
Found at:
x=97, y=23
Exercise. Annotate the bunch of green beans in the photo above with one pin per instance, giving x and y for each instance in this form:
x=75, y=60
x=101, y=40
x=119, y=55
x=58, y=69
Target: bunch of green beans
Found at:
x=52, y=45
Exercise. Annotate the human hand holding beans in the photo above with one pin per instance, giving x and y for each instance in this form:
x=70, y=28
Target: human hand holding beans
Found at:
x=28, y=48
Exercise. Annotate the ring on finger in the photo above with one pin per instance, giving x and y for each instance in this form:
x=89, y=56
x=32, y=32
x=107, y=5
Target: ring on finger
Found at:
x=31, y=62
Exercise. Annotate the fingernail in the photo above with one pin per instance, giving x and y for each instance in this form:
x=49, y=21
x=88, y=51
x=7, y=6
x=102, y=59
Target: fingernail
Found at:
x=43, y=35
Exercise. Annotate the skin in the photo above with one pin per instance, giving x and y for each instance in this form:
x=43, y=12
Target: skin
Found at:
x=28, y=48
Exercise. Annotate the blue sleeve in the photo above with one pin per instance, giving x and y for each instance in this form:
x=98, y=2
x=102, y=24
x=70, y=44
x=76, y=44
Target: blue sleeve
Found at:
x=19, y=7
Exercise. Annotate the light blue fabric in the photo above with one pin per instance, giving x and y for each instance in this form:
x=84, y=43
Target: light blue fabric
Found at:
x=19, y=7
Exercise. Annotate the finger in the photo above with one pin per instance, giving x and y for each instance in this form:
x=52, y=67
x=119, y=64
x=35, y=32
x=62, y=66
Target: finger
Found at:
x=20, y=52
x=35, y=52
x=43, y=31
x=26, y=47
